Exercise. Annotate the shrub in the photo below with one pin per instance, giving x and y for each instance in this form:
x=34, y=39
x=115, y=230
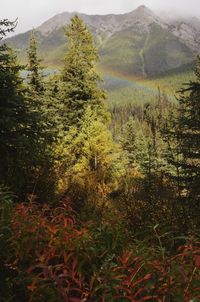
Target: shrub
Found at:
x=56, y=257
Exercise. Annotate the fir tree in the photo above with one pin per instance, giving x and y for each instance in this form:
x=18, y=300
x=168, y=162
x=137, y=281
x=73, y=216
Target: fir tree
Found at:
x=90, y=161
x=44, y=109
x=79, y=77
x=13, y=117
x=35, y=78
x=6, y=26
x=189, y=136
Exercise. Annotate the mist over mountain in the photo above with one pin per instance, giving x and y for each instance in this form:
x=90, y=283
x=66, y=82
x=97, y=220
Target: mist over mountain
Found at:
x=139, y=43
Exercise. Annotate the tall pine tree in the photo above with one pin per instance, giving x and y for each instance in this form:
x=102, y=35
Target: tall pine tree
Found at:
x=80, y=81
x=35, y=77
x=43, y=109
x=13, y=119
x=189, y=136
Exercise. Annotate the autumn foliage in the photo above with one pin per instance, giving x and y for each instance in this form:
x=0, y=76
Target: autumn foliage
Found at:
x=60, y=259
x=111, y=197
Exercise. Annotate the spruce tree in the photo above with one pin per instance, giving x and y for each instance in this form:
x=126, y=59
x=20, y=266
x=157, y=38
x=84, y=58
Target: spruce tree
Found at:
x=13, y=118
x=6, y=26
x=35, y=78
x=80, y=81
x=44, y=112
x=189, y=136
x=25, y=129
x=90, y=161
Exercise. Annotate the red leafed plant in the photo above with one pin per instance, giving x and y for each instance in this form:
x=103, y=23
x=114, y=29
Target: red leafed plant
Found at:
x=50, y=246
x=177, y=278
x=133, y=282
x=60, y=259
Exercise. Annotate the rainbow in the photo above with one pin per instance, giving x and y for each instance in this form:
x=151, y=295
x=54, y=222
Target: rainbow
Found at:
x=148, y=85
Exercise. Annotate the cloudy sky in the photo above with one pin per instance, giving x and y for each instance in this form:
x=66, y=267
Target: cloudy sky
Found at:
x=31, y=13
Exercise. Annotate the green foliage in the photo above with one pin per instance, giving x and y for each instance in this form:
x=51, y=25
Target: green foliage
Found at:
x=14, y=118
x=6, y=26
x=26, y=133
x=46, y=123
x=143, y=143
x=79, y=78
x=182, y=135
x=189, y=135
x=34, y=76
x=92, y=161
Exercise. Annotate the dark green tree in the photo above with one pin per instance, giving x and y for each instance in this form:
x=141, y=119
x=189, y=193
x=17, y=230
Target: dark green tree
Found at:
x=80, y=81
x=6, y=26
x=26, y=130
x=189, y=136
x=44, y=109
x=13, y=118
x=35, y=77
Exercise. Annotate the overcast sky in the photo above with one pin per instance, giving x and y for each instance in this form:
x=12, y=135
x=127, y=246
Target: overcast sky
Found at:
x=31, y=13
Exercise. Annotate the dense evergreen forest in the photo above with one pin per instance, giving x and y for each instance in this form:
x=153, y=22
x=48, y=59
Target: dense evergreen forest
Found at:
x=97, y=202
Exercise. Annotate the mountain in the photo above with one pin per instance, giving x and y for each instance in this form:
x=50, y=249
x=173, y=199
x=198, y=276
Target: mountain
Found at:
x=137, y=43
x=188, y=30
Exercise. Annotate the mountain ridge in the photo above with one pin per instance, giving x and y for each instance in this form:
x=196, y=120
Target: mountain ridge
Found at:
x=139, y=42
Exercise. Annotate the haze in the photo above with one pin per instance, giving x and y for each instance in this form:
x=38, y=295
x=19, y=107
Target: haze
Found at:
x=32, y=13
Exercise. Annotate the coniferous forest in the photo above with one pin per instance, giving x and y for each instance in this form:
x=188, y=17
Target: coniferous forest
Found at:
x=97, y=202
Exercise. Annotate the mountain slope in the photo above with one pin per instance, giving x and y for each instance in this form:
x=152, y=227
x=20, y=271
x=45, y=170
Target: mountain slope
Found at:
x=136, y=43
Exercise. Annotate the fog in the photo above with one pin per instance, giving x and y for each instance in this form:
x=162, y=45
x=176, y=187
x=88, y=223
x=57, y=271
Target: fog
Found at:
x=31, y=13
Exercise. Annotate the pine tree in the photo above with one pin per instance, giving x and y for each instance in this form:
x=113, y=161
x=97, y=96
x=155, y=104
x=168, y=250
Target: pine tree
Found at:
x=89, y=159
x=145, y=151
x=79, y=77
x=35, y=78
x=13, y=117
x=189, y=136
x=26, y=130
x=6, y=26
x=44, y=109
x=129, y=141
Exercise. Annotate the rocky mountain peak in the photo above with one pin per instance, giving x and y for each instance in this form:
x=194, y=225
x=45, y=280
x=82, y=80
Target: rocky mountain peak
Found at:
x=143, y=17
x=142, y=13
x=143, y=9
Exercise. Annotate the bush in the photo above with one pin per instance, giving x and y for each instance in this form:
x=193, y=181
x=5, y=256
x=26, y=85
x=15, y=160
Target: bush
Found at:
x=56, y=257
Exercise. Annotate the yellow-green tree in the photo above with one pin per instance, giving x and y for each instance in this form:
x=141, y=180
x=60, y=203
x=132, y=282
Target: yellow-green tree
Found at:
x=91, y=162
x=80, y=81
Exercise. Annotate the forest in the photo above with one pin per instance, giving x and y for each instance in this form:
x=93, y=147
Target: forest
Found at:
x=98, y=202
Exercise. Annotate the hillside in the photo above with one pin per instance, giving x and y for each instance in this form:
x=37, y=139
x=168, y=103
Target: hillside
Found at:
x=137, y=43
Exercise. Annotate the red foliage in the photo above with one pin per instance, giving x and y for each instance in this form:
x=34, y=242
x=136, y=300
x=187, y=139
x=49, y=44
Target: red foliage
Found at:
x=60, y=261
x=132, y=287
x=45, y=244
x=179, y=275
